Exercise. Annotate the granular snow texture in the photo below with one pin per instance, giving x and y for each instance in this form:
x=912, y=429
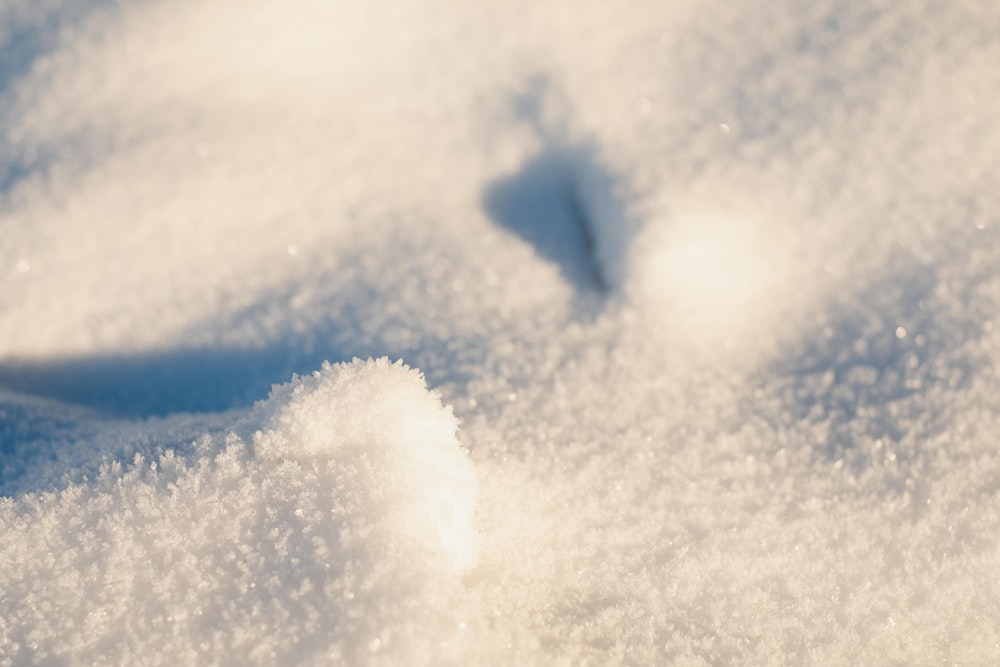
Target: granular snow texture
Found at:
x=705, y=295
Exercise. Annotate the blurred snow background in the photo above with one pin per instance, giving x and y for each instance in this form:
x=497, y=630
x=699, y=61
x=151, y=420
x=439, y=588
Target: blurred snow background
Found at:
x=709, y=287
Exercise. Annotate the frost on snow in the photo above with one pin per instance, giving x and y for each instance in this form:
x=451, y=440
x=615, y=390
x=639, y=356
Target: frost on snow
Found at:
x=704, y=293
x=334, y=521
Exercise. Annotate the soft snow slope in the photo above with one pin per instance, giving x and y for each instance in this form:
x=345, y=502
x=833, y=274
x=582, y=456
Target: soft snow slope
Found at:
x=709, y=287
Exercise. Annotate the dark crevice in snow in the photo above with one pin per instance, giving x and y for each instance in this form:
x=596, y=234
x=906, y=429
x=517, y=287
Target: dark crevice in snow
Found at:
x=545, y=201
x=541, y=204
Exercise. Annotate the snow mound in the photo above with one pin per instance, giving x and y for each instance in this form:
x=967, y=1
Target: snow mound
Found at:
x=309, y=531
x=400, y=441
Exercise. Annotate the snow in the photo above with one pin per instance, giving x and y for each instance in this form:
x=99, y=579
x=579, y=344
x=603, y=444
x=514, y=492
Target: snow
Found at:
x=702, y=295
x=341, y=505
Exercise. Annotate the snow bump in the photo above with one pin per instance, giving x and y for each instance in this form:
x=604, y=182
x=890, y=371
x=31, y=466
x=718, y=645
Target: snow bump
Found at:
x=408, y=463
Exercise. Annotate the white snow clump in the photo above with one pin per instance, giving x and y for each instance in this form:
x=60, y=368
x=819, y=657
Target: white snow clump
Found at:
x=347, y=511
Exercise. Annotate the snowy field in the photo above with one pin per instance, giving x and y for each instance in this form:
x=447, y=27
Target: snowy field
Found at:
x=499, y=333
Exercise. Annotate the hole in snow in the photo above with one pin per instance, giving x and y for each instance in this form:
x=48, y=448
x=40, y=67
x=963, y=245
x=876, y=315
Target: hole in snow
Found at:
x=539, y=203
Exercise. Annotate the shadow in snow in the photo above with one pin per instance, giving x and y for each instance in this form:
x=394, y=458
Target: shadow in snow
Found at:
x=159, y=383
x=26, y=37
x=295, y=330
x=542, y=202
x=216, y=378
x=894, y=340
x=29, y=35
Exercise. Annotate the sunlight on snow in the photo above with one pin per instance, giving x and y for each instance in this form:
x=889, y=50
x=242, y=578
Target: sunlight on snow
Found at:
x=705, y=294
x=710, y=278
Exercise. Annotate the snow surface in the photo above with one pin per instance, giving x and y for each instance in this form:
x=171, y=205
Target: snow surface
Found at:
x=710, y=288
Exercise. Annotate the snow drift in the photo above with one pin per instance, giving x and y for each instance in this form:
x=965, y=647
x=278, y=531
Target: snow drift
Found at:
x=710, y=288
